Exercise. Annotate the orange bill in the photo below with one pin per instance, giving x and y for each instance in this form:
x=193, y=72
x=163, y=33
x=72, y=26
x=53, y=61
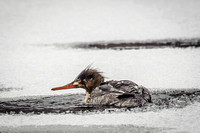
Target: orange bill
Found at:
x=68, y=86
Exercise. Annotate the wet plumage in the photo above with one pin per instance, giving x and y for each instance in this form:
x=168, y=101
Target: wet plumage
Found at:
x=123, y=93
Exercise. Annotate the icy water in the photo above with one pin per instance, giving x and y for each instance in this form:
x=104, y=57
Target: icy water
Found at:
x=41, y=47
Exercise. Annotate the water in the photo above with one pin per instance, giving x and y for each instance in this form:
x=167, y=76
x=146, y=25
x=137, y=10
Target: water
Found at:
x=37, y=54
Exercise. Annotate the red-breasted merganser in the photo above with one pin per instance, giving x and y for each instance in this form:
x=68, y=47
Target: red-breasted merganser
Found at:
x=122, y=93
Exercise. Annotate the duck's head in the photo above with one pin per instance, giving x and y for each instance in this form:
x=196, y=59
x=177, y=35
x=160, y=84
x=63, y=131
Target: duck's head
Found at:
x=88, y=79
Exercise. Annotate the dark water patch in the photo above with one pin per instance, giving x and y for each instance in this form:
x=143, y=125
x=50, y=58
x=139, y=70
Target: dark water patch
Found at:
x=127, y=45
x=73, y=103
x=123, y=45
x=5, y=89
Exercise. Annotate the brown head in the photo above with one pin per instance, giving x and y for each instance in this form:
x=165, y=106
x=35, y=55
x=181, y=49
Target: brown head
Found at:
x=88, y=79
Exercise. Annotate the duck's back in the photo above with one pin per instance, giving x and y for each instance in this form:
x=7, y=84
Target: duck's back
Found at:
x=122, y=93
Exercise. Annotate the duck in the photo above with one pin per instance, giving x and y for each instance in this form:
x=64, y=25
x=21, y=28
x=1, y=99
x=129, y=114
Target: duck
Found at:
x=122, y=93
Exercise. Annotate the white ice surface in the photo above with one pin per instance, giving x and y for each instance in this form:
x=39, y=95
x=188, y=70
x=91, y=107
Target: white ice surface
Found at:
x=67, y=21
x=37, y=69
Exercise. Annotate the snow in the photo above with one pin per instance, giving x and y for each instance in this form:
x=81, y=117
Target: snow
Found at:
x=37, y=69
x=84, y=21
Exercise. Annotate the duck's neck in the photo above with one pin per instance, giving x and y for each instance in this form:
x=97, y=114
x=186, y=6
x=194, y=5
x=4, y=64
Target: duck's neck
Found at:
x=87, y=96
x=91, y=85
